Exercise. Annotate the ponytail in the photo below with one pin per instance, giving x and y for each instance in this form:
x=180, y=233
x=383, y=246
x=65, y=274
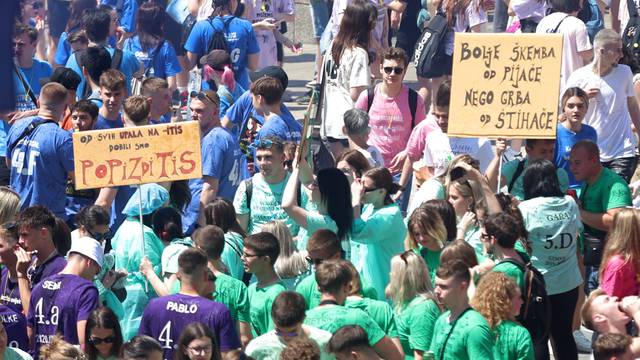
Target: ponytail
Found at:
x=228, y=78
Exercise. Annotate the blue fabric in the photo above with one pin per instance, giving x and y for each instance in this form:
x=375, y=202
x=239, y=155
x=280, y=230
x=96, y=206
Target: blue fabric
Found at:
x=127, y=10
x=222, y=160
x=38, y=71
x=102, y=123
x=164, y=61
x=240, y=37
x=40, y=163
x=565, y=139
x=225, y=95
x=284, y=128
x=63, y=51
x=4, y=130
x=122, y=198
x=164, y=119
x=242, y=109
x=128, y=66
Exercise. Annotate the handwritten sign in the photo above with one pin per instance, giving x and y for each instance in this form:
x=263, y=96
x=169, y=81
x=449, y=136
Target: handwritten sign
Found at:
x=505, y=85
x=137, y=155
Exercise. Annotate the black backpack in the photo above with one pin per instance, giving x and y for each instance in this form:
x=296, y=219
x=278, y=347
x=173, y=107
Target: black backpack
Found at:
x=535, y=314
x=218, y=40
x=429, y=56
x=631, y=34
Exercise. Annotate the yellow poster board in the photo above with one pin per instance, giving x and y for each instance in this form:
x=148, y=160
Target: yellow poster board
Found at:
x=505, y=85
x=137, y=155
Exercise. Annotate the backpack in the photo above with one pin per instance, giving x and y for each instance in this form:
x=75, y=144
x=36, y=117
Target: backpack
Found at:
x=631, y=34
x=516, y=175
x=535, y=314
x=429, y=57
x=218, y=40
x=413, y=102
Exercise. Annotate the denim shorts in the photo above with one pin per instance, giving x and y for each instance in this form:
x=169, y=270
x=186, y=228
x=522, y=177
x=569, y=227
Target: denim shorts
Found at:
x=319, y=16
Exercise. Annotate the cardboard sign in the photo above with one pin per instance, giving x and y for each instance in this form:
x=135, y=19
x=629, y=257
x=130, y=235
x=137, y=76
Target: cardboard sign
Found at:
x=137, y=155
x=505, y=85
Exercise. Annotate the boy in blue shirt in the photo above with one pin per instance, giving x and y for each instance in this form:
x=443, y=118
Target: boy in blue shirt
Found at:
x=30, y=70
x=112, y=93
x=266, y=95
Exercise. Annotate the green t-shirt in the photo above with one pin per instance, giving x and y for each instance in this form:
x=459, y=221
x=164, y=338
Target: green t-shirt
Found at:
x=234, y=294
x=266, y=200
x=382, y=232
x=308, y=288
x=509, y=170
x=553, y=224
x=472, y=237
x=333, y=317
x=415, y=325
x=233, y=247
x=429, y=190
x=315, y=221
x=269, y=346
x=15, y=354
x=512, y=270
x=467, y=338
x=610, y=191
x=380, y=311
x=512, y=342
x=432, y=258
x=260, y=301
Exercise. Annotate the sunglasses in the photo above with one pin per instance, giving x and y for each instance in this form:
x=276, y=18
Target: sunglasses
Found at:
x=201, y=96
x=211, y=276
x=98, y=341
x=395, y=69
x=315, y=262
x=99, y=236
x=10, y=225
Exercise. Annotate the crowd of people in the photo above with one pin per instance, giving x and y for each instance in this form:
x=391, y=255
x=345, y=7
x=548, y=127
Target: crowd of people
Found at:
x=374, y=234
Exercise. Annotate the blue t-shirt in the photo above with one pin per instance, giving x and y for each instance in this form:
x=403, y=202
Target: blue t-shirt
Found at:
x=565, y=139
x=240, y=37
x=125, y=193
x=64, y=50
x=241, y=110
x=160, y=63
x=284, y=128
x=127, y=10
x=40, y=163
x=222, y=160
x=39, y=70
x=129, y=66
x=103, y=123
x=164, y=119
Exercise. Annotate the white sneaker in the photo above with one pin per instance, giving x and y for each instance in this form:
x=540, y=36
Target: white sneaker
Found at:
x=582, y=342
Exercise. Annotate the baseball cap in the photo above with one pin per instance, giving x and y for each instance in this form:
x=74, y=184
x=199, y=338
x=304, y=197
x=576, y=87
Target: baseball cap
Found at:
x=217, y=59
x=271, y=71
x=88, y=247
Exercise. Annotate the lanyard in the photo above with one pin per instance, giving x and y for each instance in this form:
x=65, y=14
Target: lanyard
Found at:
x=453, y=326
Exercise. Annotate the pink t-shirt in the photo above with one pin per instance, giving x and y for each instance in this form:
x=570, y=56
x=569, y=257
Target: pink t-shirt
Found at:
x=419, y=135
x=390, y=121
x=620, y=279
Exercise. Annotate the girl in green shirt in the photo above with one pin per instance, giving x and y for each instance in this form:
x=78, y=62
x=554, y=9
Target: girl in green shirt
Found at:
x=426, y=236
x=103, y=338
x=498, y=299
x=221, y=213
x=291, y=265
x=415, y=304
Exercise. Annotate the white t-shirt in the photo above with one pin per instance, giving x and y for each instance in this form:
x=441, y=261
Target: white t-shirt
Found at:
x=608, y=112
x=529, y=9
x=575, y=40
x=373, y=156
x=437, y=150
x=353, y=71
x=474, y=15
x=479, y=149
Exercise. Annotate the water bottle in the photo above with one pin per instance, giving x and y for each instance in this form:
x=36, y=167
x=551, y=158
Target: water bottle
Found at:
x=195, y=84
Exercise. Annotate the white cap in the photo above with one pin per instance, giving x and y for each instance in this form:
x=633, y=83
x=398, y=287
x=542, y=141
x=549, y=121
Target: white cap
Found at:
x=88, y=247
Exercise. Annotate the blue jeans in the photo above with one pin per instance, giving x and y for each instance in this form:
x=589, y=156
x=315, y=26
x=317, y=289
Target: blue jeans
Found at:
x=319, y=16
x=591, y=279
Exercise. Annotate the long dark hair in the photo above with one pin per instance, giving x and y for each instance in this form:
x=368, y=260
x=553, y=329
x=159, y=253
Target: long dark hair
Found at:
x=335, y=192
x=540, y=179
x=180, y=195
x=221, y=213
x=356, y=160
x=76, y=8
x=193, y=331
x=353, y=33
x=150, y=22
x=382, y=179
x=167, y=224
x=102, y=317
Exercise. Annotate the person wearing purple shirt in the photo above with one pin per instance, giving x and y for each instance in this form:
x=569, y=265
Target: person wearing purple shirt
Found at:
x=16, y=325
x=165, y=317
x=35, y=229
x=222, y=160
x=62, y=303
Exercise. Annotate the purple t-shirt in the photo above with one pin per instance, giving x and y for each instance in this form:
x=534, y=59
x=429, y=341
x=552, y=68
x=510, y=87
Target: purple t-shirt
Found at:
x=15, y=323
x=9, y=292
x=51, y=266
x=57, y=304
x=166, y=316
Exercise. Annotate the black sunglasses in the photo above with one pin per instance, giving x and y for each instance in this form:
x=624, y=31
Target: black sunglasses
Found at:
x=202, y=96
x=395, y=69
x=98, y=341
x=99, y=236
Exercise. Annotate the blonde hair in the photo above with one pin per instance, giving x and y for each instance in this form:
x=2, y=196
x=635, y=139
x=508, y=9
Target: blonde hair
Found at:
x=290, y=262
x=623, y=239
x=409, y=278
x=59, y=349
x=493, y=298
x=428, y=222
x=9, y=204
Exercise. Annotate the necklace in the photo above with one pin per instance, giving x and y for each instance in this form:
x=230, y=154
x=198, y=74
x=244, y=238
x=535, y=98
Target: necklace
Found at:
x=6, y=299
